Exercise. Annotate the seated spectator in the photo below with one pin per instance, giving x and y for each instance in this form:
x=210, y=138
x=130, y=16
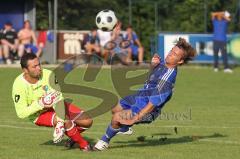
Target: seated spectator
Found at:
x=9, y=42
x=1, y=54
x=104, y=37
x=124, y=54
x=136, y=46
x=28, y=41
x=92, y=43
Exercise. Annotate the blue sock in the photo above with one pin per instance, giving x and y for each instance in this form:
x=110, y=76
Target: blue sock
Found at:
x=124, y=128
x=110, y=133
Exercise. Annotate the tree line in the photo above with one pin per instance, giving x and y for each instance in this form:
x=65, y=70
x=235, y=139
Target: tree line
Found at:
x=148, y=17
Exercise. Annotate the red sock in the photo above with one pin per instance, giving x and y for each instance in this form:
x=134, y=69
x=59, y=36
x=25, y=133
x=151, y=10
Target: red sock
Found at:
x=74, y=134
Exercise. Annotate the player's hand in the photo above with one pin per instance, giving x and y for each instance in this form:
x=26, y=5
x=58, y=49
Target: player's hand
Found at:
x=155, y=60
x=125, y=117
x=131, y=121
x=50, y=99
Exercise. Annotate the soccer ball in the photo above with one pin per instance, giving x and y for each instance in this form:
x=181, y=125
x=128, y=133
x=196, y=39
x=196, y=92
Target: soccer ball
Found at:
x=106, y=20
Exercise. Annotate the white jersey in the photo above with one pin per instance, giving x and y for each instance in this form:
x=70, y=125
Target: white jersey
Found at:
x=104, y=36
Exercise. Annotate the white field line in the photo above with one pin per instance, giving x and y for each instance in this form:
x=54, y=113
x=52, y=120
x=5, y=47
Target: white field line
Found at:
x=27, y=128
x=195, y=127
x=39, y=129
x=97, y=133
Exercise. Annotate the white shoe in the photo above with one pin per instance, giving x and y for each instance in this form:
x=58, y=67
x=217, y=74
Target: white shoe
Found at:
x=216, y=69
x=129, y=132
x=101, y=145
x=227, y=70
x=58, y=133
x=8, y=61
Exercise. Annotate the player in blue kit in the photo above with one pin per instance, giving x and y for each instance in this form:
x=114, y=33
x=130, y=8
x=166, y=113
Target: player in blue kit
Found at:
x=145, y=106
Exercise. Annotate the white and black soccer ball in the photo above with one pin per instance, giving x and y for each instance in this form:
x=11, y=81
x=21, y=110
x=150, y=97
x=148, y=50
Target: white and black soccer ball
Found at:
x=106, y=20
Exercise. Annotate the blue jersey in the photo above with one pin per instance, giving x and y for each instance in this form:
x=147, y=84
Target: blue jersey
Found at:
x=220, y=30
x=157, y=89
x=133, y=38
x=93, y=39
x=133, y=45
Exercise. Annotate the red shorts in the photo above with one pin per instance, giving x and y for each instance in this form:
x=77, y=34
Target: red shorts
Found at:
x=46, y=118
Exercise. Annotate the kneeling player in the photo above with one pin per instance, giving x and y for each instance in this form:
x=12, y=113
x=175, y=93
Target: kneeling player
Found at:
x=35, y=99
x=145, y=106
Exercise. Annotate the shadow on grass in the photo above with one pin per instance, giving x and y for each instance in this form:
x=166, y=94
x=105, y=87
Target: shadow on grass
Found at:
x=62, y=143
x=155, y=140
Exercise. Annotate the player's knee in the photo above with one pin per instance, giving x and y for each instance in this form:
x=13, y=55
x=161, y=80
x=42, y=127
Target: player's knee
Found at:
x=68, y=124
x=115, y=117
x=84, y=122
x=88, y=122
x=115, y=110
x=115, y=121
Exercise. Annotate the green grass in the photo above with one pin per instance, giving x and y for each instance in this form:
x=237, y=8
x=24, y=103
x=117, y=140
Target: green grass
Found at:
x=211, y=131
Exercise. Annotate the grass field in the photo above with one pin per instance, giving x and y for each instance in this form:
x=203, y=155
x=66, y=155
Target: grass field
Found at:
x=205, y=109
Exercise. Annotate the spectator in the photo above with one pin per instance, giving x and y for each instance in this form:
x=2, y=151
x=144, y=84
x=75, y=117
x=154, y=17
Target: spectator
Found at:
x=123, y=53
x=136, y=46
x=9, y=42
x=220, y=23
x=1, y=54
x=92, y=43
x=104, y=37
x=28, y=40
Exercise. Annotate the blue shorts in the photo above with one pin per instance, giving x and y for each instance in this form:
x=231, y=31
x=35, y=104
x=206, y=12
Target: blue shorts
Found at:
x=134, y=49
x=119, y=50
x=134, y=103
x=32, y=47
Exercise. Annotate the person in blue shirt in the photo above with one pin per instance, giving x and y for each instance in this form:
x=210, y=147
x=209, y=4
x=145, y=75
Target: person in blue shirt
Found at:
x=123, y=53
x=136, y=46
x=220, y=22
x=92, y=43
x=145, y=106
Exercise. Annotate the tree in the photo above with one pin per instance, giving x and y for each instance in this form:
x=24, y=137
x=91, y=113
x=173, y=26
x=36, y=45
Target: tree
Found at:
x=185, y=16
